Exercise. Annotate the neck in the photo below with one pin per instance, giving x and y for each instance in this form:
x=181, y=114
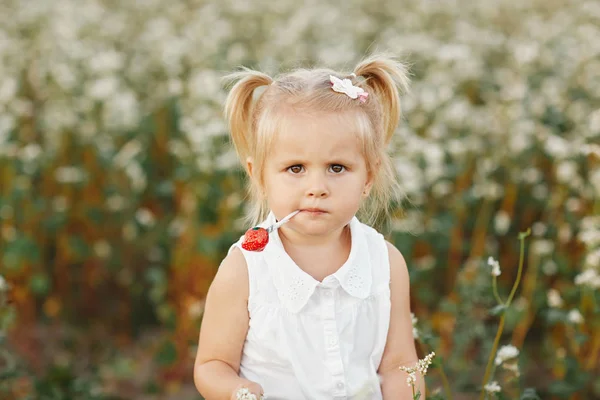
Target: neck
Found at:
x=293, y=239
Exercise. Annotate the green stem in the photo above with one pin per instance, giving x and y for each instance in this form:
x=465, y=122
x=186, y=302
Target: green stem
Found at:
x=488, y=368
x=522, y=237
x=413, y=390
x=445, y=383
x=495, y=286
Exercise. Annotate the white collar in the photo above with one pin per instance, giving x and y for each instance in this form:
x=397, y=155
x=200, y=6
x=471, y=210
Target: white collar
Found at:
x=295, y=287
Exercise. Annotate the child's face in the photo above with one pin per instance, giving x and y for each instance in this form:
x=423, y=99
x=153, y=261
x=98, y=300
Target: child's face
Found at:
x=316, y=163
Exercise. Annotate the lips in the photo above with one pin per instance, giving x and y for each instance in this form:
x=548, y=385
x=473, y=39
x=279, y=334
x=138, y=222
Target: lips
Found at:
x=314, y=210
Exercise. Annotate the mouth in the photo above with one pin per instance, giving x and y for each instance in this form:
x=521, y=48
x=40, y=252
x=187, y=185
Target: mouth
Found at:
x=314, y=210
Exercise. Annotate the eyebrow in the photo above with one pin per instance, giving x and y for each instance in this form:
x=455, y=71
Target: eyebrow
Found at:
x=296, y=161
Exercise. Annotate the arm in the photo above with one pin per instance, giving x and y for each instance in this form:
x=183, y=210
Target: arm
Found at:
x=223, y=332
x=400, y=346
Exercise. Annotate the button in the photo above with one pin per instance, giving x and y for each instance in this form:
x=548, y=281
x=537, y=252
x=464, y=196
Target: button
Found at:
x=340, y=385
x=329, y=293
x=333, y=342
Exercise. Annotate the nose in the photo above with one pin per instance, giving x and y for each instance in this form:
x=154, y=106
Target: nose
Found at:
x=317, y=187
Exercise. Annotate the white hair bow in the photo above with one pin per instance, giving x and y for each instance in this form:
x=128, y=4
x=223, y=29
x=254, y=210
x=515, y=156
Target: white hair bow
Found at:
x=346, y=86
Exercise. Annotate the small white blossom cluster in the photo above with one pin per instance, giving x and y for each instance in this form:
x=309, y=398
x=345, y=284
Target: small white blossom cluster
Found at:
x=554, y=298
x=506, y=353
x=590, y=237
x=589, y=278
x=245, y=394
x=414, y=325
x=420, y=367
x=492, y=387
x=495, y=266
x=575, y=317
x=507, y=358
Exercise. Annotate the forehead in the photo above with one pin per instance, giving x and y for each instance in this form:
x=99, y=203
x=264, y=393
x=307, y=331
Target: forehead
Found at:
x=318, y=135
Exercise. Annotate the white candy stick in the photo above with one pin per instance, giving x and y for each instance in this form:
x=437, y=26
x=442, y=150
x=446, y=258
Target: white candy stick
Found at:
x=283, y=221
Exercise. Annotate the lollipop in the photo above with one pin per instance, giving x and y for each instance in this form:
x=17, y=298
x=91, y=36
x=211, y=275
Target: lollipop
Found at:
x=255, y=239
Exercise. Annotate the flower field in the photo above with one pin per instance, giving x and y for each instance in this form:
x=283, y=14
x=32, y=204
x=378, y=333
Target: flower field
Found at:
x=120, y=193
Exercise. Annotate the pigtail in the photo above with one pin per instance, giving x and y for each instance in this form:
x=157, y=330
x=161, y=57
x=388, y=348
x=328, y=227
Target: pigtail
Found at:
x=239, y=106
x=385, y=76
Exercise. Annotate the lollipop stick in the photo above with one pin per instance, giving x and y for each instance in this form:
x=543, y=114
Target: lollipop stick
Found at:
x=283, y=221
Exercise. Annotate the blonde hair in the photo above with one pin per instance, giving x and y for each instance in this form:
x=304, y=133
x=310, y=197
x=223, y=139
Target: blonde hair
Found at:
x=255, y=120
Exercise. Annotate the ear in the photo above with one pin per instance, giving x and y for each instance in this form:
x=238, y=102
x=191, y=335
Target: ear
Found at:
x=367, y=189
x=370, y=179
x=250, y=169
x=249, y=165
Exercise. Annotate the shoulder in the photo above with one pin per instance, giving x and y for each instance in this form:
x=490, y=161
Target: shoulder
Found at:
x=398, y=269
x=232, y=276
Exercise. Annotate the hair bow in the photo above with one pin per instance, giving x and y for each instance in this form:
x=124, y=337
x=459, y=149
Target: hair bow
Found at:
x=346, y=86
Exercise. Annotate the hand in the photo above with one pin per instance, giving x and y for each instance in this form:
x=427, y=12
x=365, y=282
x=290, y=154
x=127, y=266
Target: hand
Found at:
x=253, y=389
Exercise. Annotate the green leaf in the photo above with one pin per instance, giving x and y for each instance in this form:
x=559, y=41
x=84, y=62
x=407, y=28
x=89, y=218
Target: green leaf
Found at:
x=529, y=394
x=79, y=246
x=417, y=396
x=167, y=354
x=39, y=284
x=562, y=389
x=11, y=260
x=555, y=316
x=581, y=338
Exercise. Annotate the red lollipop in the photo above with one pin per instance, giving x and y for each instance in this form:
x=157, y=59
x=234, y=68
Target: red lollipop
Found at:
x=255, y=239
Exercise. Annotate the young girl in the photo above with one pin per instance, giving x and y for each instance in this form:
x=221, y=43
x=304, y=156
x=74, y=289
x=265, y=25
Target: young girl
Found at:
x=323, y=311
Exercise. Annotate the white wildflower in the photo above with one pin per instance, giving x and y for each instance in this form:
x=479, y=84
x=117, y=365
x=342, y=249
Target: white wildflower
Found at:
x=495, y=266
x=145, y=217
x=130, y=150
x=102, y=88
x=566, y=171
x=30, y=153
x=69, y=174
x=554, y=299
x=8, y=89
x=414, y=325
x=411, y=379
x=421, y=367
x=195, y=309
x=137, y=176
x=589, y=278
x=550, y=267
x=542, y=247
x=506, y=353
x=492, y=387
x=3, y=284
x=575, y=316
x=539, y=229
x=512, y=367
x=592, y=260
x=115, y=203
x=502, y=222
x=245, y=394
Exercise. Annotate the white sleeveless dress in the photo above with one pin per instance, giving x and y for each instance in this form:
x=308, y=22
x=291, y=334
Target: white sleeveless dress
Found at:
x=317, y=340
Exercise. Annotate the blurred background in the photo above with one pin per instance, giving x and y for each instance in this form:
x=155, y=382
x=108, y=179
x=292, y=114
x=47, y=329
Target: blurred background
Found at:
x=119, y=192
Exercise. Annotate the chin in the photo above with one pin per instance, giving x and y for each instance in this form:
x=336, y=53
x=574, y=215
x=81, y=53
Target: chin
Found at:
x=315, y=226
